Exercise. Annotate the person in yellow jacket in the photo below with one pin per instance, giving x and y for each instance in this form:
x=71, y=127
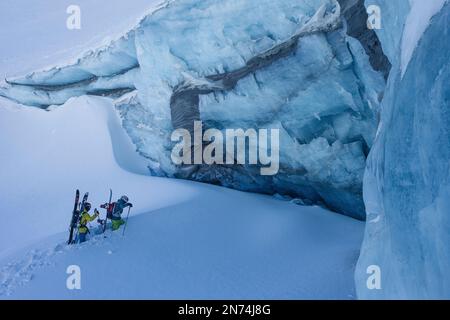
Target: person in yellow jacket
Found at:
x=85, y=218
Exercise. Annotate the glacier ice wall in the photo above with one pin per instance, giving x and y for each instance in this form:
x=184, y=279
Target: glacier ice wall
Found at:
x=407, y=181
x=285, y=64
x=393, y=18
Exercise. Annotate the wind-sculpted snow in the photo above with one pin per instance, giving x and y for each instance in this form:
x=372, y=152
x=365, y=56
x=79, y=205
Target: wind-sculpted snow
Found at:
x=407, y=185
x=238, y=64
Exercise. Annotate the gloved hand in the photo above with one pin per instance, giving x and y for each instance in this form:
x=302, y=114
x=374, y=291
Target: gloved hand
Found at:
x=130, y=205
x=96, y=212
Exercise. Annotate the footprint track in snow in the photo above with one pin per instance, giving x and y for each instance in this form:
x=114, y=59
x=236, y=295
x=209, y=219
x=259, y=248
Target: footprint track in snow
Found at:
x=22, y=270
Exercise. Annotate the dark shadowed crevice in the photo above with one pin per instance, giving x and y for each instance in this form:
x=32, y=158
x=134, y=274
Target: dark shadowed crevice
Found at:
x=354, y=11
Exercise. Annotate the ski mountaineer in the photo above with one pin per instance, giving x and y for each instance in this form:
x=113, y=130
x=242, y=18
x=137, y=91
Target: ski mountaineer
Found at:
x=83, y=230
x=116, y=218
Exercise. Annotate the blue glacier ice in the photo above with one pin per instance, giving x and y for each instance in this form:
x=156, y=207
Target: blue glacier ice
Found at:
x=393, y=18
x=284, y=64
x=407, y=182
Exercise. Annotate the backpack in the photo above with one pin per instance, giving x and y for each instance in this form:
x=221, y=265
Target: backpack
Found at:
x=109, y=209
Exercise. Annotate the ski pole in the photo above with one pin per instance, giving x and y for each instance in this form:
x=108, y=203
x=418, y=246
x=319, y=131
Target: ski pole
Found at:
x=126, y=222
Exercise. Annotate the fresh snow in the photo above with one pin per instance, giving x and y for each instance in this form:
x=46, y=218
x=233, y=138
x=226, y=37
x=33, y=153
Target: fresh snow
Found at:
x=50, y=154
x=37, y=37
x=183, y=240
x=416, y=23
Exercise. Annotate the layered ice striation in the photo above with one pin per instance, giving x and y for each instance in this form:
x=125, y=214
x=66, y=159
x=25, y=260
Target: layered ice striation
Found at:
x=407, y=182
x=245, y=64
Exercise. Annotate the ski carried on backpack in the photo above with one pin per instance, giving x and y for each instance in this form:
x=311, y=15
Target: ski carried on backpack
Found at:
x=74, y=213
x=126, y=222
x=109, y=210
x=77, y=209
x=83, y=202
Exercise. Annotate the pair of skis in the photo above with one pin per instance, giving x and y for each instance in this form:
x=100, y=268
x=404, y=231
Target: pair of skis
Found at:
x=77, y=209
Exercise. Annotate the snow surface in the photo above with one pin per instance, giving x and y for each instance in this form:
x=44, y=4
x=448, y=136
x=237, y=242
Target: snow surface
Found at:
x=37, y=36
x=49, y=154
x=184, y=239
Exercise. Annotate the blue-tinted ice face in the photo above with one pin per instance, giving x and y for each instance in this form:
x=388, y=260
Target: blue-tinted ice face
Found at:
x=406, y=185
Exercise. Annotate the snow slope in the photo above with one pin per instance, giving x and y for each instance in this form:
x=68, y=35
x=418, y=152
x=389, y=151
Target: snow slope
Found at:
x=38, y=36
x=189, y=240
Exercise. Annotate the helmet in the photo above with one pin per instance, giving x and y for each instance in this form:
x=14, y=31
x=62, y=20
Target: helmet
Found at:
x=87, y=206
x=124, y=198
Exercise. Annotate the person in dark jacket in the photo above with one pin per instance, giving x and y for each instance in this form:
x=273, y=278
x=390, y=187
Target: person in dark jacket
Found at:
x=117, y=211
